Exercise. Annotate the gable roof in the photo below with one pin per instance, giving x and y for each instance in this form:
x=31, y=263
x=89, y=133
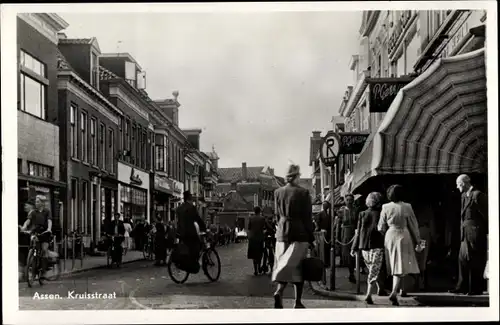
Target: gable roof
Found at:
x=105, y=74
x=235, y=174
x=234, y=201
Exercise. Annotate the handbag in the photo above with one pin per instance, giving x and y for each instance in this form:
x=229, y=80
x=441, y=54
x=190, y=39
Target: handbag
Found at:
x=312, y=269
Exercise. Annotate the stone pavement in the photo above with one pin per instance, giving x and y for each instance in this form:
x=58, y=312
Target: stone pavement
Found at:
x=88, y=263
x=140, y=285
x=345, y=290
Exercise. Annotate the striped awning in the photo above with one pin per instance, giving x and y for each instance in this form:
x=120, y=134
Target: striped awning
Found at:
x=435, y=125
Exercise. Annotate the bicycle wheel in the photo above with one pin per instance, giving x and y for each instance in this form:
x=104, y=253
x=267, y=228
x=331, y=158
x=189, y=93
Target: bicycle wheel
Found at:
x=210, y=261
x=177, y=275
x=30, y=271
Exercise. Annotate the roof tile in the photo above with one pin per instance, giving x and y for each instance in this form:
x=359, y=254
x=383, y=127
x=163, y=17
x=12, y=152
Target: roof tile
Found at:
x=75, y=40
x=105, y=74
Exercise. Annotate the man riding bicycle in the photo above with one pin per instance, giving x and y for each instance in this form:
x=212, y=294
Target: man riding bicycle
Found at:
x=39, y=222
x=187, y=216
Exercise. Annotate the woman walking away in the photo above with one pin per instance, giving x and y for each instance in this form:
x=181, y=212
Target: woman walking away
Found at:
x=293, y=237
x=256, y=226
x=370, y=242
x=160, y=242
x=398, y=222
x=127, y=243
x=348, y=220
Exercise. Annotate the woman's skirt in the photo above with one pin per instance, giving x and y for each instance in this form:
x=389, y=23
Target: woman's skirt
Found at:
x=400, y=252
x=288, y=261
x=373, y=260
x=255, y=249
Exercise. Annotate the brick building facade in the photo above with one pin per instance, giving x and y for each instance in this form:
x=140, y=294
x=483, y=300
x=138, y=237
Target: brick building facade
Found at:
x=38, y=131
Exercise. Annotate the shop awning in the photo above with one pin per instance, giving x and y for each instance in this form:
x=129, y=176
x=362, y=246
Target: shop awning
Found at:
x=41, y=180
x=435, y=125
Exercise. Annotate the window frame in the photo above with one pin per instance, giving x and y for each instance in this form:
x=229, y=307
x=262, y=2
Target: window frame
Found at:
x=73, y=121
x=83, y=154
x=111, y=146
x=42, y=100
x=93, y=140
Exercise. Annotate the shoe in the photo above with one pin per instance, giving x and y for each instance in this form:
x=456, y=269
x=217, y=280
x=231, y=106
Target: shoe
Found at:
x=369, y=301
x=394, y=301
x=299, y=306
x=278, y=302
x=404, y=294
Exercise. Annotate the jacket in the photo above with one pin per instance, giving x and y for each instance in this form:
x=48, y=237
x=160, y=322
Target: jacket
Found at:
x=113, y=224
x=256, y=226
x=474, y=215
x=367, y=235
x=187, y=215
x=294, y=210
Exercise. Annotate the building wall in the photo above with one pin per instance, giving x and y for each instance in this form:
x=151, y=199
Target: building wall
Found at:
x=37, y=45
x=38, y=141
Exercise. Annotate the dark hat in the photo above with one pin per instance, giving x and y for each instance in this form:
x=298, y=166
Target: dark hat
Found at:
x=293, y=170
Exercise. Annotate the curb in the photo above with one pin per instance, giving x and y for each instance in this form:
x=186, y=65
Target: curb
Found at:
x=77, y=271
x=347, y=296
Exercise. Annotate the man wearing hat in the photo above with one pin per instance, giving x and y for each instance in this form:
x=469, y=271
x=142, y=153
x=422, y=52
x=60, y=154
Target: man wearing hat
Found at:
x=187, y=216
x=293, y=237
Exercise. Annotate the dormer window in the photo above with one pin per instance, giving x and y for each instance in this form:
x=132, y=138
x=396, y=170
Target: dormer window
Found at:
x=94, y=68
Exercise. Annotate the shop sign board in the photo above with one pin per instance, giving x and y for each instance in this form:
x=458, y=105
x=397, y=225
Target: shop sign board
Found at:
x=383, y=91
x=352, y=142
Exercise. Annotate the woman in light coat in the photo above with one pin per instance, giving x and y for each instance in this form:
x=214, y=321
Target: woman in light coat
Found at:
x=398, y=222
x=127, y=243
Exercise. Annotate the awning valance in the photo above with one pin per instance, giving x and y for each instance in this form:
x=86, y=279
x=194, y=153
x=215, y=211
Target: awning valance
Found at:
x=435, y=125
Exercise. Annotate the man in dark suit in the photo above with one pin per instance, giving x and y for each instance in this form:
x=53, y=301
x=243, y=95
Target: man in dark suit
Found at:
x=325, y=223
x=117, y=229
x=474, y=239
x=187, y=215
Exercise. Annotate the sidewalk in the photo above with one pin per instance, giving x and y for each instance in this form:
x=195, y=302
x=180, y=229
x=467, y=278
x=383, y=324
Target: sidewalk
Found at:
x=344, y=290
x=90, y=263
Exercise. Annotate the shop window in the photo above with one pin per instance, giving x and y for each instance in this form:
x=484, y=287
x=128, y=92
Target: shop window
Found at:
x=39, y=170
x=134, y=202
x=73, y=137
x=83, y=133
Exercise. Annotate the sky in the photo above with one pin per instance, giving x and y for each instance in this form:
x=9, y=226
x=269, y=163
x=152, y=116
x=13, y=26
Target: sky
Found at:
x=257, y=84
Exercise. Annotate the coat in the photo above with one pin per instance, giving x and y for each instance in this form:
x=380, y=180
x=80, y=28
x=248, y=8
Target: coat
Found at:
x=474, y=228
x=367, y=236
x=113, y=224
x=187, y=215
x=256, y=226
x=325, y=223
x=294, y=210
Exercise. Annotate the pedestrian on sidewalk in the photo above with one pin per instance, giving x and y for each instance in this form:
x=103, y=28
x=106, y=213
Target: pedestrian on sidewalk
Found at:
x=256, y=225
x=348, y=221
x=294, y=236
x=325, y=223
x=127, y=243
x=399, y=224
x=160, y=242
x=370, y=243
x=472, y=256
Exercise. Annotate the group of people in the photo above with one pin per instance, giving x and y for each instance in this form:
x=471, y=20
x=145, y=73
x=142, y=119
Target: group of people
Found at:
x=388, y=236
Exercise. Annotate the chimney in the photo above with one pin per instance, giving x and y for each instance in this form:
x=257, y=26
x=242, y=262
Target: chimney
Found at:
x=316, y=134
x=244, y=171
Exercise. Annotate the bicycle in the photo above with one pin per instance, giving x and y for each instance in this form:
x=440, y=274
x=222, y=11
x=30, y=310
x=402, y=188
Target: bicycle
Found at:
x=268, y=257
x=209, y=258
x=33, y=269
x=148, y=249
x=111, y=251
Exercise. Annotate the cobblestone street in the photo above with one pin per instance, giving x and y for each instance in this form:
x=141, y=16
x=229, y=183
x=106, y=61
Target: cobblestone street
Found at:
x=141, y=285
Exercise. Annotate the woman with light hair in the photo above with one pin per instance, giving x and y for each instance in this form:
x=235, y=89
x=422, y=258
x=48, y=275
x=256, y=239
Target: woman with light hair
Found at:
x=293, y=237
x=370, y=242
